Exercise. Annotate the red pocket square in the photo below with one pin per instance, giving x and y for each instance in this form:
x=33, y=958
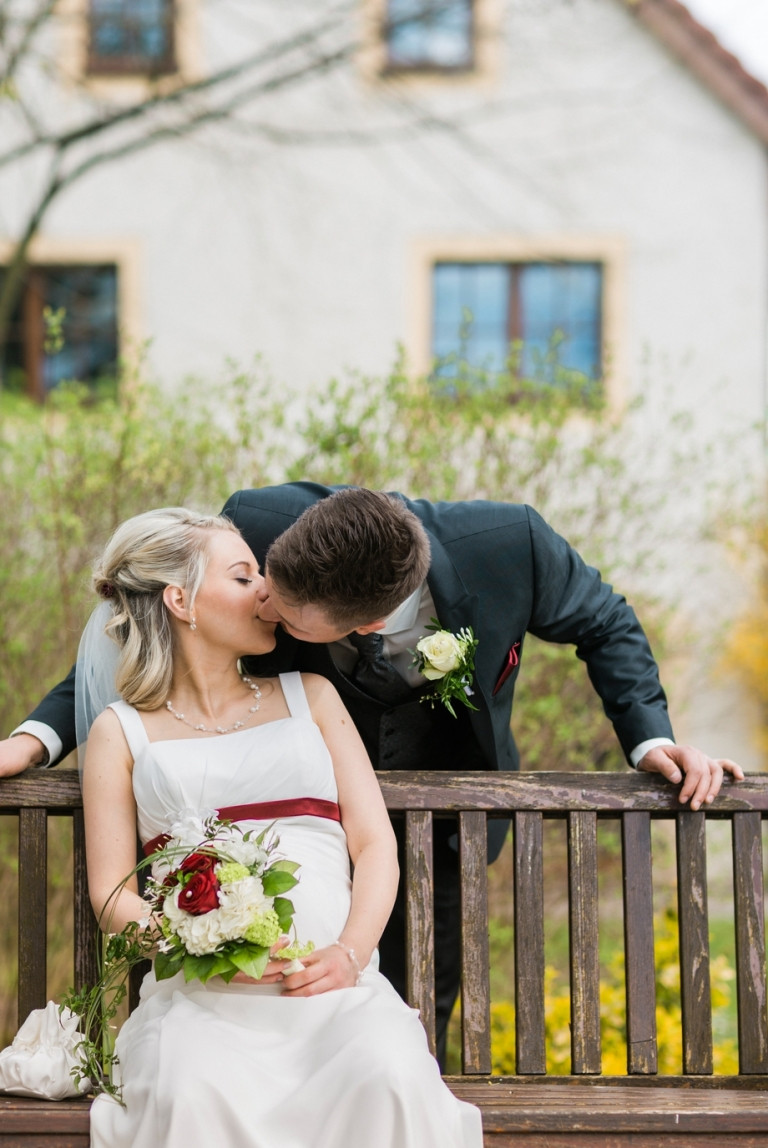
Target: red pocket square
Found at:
x=512, y=662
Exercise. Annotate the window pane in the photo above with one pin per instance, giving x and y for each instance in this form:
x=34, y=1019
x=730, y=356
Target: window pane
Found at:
x=560, y=300
x=429, y=33
x=87, y=296
x=471, y=307
x=132, y=31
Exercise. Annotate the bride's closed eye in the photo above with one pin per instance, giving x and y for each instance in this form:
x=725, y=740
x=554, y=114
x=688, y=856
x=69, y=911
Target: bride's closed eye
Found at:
x=244, y=581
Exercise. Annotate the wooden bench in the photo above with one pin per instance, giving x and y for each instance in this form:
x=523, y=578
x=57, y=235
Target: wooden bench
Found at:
x=531, y=1107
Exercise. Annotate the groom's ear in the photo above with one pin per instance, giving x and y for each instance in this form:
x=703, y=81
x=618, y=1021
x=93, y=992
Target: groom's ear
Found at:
x=372, y=627
x=175, y=602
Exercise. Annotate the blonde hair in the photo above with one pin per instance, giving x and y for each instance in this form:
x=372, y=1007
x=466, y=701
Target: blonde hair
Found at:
x=160, y=548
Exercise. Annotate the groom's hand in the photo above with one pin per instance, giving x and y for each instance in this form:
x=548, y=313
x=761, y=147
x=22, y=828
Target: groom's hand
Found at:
x=19, y=753
x=702, y=776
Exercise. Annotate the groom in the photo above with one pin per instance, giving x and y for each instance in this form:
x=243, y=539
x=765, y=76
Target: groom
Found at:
x=343, y=564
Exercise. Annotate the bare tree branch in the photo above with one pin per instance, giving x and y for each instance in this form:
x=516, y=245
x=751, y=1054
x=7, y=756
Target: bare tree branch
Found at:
x=178, y=97
x=28, y=33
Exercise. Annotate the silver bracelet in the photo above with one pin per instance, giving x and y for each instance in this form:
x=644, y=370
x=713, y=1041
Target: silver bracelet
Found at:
x=353, y=960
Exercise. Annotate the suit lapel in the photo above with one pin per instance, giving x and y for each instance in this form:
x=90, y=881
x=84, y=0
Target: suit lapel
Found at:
x=457, y=609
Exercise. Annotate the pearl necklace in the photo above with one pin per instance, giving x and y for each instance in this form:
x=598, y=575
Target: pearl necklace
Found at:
x=255, y=698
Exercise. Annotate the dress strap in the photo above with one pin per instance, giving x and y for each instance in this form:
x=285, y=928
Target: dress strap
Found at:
x=133, y=727
x=295, y=697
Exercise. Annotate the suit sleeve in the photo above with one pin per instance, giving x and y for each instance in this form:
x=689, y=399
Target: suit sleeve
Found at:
x=572, y=604
x=57, y=710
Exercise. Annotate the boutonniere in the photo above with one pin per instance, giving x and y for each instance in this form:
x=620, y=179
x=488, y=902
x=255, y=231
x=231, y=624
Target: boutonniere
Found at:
x=448, y=660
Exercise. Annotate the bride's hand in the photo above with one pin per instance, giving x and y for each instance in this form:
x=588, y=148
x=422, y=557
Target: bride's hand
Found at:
x=324, y=970
x=273, y=973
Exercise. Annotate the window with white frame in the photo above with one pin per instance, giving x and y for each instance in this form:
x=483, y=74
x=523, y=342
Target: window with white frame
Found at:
x=550, y=311
x=79, y=304
x=131, y=37
x=429, y=35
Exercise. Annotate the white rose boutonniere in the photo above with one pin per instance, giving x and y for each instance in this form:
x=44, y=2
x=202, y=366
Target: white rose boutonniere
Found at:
x=448, y=660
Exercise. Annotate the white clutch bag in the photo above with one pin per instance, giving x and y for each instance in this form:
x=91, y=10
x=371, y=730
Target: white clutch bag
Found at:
x=42, y=1056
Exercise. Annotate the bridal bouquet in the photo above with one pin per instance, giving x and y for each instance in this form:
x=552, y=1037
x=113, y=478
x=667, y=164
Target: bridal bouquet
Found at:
x=216, y=905
x=218, y=893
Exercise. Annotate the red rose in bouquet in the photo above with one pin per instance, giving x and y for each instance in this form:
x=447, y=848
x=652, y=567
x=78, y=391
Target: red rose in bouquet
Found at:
x=200, y=894
x=199, y=863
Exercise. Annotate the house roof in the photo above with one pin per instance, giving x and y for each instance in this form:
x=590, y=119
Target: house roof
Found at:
x=704, y=55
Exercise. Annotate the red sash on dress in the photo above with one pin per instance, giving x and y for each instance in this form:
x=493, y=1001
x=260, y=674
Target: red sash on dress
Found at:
x=264, y=811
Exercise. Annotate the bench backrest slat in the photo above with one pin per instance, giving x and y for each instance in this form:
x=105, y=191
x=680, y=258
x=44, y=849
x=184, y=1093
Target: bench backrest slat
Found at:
x=475, y=989
x=33, y=909
x=529, y=944
x=586, y=1051
x=642, y=1053
x=420, y=921
x=749, y=915
x=693, y=924
x=87, y=932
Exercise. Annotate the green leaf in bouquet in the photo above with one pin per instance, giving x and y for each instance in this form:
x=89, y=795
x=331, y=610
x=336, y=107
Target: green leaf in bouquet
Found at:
x=285, y=910
x=222, y=967
x=198, y=968
x=284, y=866
x=251, y=959
x=168, y=964
x=277, y=881
x=259, y=840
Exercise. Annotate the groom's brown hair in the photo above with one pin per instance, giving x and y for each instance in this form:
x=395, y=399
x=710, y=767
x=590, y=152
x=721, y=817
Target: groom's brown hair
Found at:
x=357, y=554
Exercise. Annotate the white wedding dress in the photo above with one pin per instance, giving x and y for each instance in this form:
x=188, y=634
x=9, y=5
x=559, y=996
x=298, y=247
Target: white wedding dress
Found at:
x=241, y=1066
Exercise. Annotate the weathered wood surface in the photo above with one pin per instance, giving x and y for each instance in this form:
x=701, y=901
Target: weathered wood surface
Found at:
x=586, y=1051
x=749, y=902
x=44, y=1123
x=33, y=913
x=529, y=943
x=695, y=987
x=638, y=942
x=516, y=1106
x=33, y=797
x=559, y=793
x=497, y=793
x=475, y=987
x=420, y=920
x=55, y=789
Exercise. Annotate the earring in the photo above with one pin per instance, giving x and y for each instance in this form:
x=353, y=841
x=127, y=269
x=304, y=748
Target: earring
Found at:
x=193, y=623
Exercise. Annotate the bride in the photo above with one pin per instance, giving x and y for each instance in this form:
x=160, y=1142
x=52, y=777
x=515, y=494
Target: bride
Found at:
x=327, y=1056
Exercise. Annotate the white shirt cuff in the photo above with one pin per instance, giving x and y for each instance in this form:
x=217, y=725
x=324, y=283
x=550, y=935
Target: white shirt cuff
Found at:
x=639, y=752
x=46, y=735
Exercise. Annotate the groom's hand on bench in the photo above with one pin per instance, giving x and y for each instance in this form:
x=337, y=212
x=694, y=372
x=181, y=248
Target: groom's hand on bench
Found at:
x=19, y=753
x=701, y=775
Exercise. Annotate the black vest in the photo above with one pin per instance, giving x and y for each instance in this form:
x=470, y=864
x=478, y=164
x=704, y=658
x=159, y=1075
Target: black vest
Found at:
x=412, y=735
